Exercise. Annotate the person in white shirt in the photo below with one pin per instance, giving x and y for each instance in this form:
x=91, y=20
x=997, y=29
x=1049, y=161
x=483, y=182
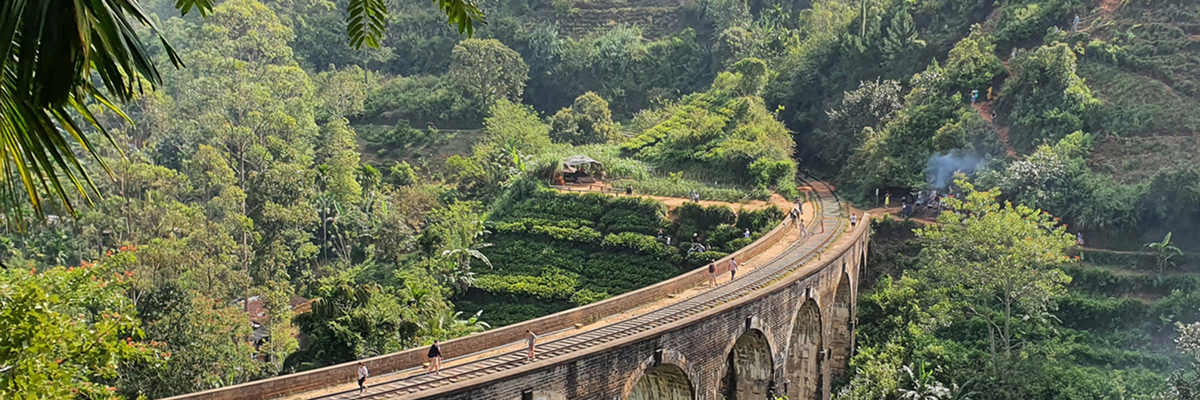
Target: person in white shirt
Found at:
x=733, y=266
x=362, y=377
x=531, y=340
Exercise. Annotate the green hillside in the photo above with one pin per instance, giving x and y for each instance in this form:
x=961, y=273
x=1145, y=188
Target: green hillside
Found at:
x=255, y=196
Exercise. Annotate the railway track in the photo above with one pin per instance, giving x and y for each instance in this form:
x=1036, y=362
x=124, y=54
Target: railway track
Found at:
x=406, y=385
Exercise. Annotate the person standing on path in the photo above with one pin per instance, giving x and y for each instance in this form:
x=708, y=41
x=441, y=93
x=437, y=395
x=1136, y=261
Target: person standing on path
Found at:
x=853, y=220
x=746, y=234
x=803, y=229
x=712, y=274
x=733, y=266
x=362, y=377
x=974, y=95
x=531, y=340
x=887, y=200
x=435, y=359
x=629, y=190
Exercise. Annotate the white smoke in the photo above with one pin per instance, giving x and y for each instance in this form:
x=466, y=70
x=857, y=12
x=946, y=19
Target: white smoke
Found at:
x=941, y=167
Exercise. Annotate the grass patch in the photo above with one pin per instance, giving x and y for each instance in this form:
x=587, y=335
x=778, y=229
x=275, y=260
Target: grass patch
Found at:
x=1117, y=156
x=1135, y=105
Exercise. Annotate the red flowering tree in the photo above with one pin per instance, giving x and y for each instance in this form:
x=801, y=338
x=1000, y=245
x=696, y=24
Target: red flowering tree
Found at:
x=64, y=333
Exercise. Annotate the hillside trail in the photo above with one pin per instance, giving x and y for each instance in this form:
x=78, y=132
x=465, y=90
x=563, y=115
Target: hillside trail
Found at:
x=1108, y=7
x=793, y=236
x=879, y=212
x=985, y=111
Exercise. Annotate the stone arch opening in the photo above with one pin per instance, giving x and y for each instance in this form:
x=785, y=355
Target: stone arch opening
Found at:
x=804, y=356
x=841, y=328
x=664, y=382
x=541, y=395
x=748, y=368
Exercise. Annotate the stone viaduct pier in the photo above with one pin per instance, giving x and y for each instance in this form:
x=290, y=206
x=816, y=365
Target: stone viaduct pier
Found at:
x=785, y=327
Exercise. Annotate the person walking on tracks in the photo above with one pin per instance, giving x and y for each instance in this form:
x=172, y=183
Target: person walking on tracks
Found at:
x=733, y=266
x=531, y=340
x=362, y=377
x=435, y=359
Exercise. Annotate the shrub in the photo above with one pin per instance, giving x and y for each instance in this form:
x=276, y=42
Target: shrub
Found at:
x=972, y=63
x=1045, y=97
x=760, y=220
x=553, y=283
x=586, y=296
x=423, y=99
x=722, y=234
x=581, y=234
x=588, y=121
x=703, y=217
x=698, y=259
x=641, y=243
x=402, y=174
x=1023, y=22
x=672, y=187
x=737, y=244
x=399, y=136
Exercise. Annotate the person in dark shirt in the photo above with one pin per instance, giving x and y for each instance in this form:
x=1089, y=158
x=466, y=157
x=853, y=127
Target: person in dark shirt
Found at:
x=435, y=359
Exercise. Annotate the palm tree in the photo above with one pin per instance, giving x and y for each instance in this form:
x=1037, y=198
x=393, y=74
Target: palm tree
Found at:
x=463, y=228
x=50, y=50
x=447, y=324
x=461, y=257
x=1164, y=251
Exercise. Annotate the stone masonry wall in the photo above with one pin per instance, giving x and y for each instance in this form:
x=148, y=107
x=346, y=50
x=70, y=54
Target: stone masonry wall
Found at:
x=699, y=345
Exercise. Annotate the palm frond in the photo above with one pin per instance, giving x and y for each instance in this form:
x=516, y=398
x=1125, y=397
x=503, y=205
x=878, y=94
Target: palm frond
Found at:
x=365, y=23
x=463, y=13
x=185, y=6
x=479, y=255
x=49, y=52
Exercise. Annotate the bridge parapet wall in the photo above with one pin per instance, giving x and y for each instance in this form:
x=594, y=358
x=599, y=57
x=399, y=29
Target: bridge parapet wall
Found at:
x=344, y=373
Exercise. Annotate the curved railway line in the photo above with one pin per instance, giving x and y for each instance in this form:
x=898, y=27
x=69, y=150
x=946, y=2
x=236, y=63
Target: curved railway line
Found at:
x=406, y=384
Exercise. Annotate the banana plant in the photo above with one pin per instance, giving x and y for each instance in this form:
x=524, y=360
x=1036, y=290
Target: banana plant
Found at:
x=1164, y=251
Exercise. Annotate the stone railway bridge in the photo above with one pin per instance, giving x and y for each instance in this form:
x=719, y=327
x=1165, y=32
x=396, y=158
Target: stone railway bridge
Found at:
x=784, y=328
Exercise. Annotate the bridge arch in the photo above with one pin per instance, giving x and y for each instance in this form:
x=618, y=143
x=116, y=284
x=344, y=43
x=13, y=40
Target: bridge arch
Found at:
x=748, y=367
x=663, y=382
x=841, y=326
x=803, y=366
x=543, y=395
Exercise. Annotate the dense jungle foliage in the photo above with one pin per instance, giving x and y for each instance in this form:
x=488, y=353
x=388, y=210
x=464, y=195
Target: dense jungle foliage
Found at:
x=286, y=201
